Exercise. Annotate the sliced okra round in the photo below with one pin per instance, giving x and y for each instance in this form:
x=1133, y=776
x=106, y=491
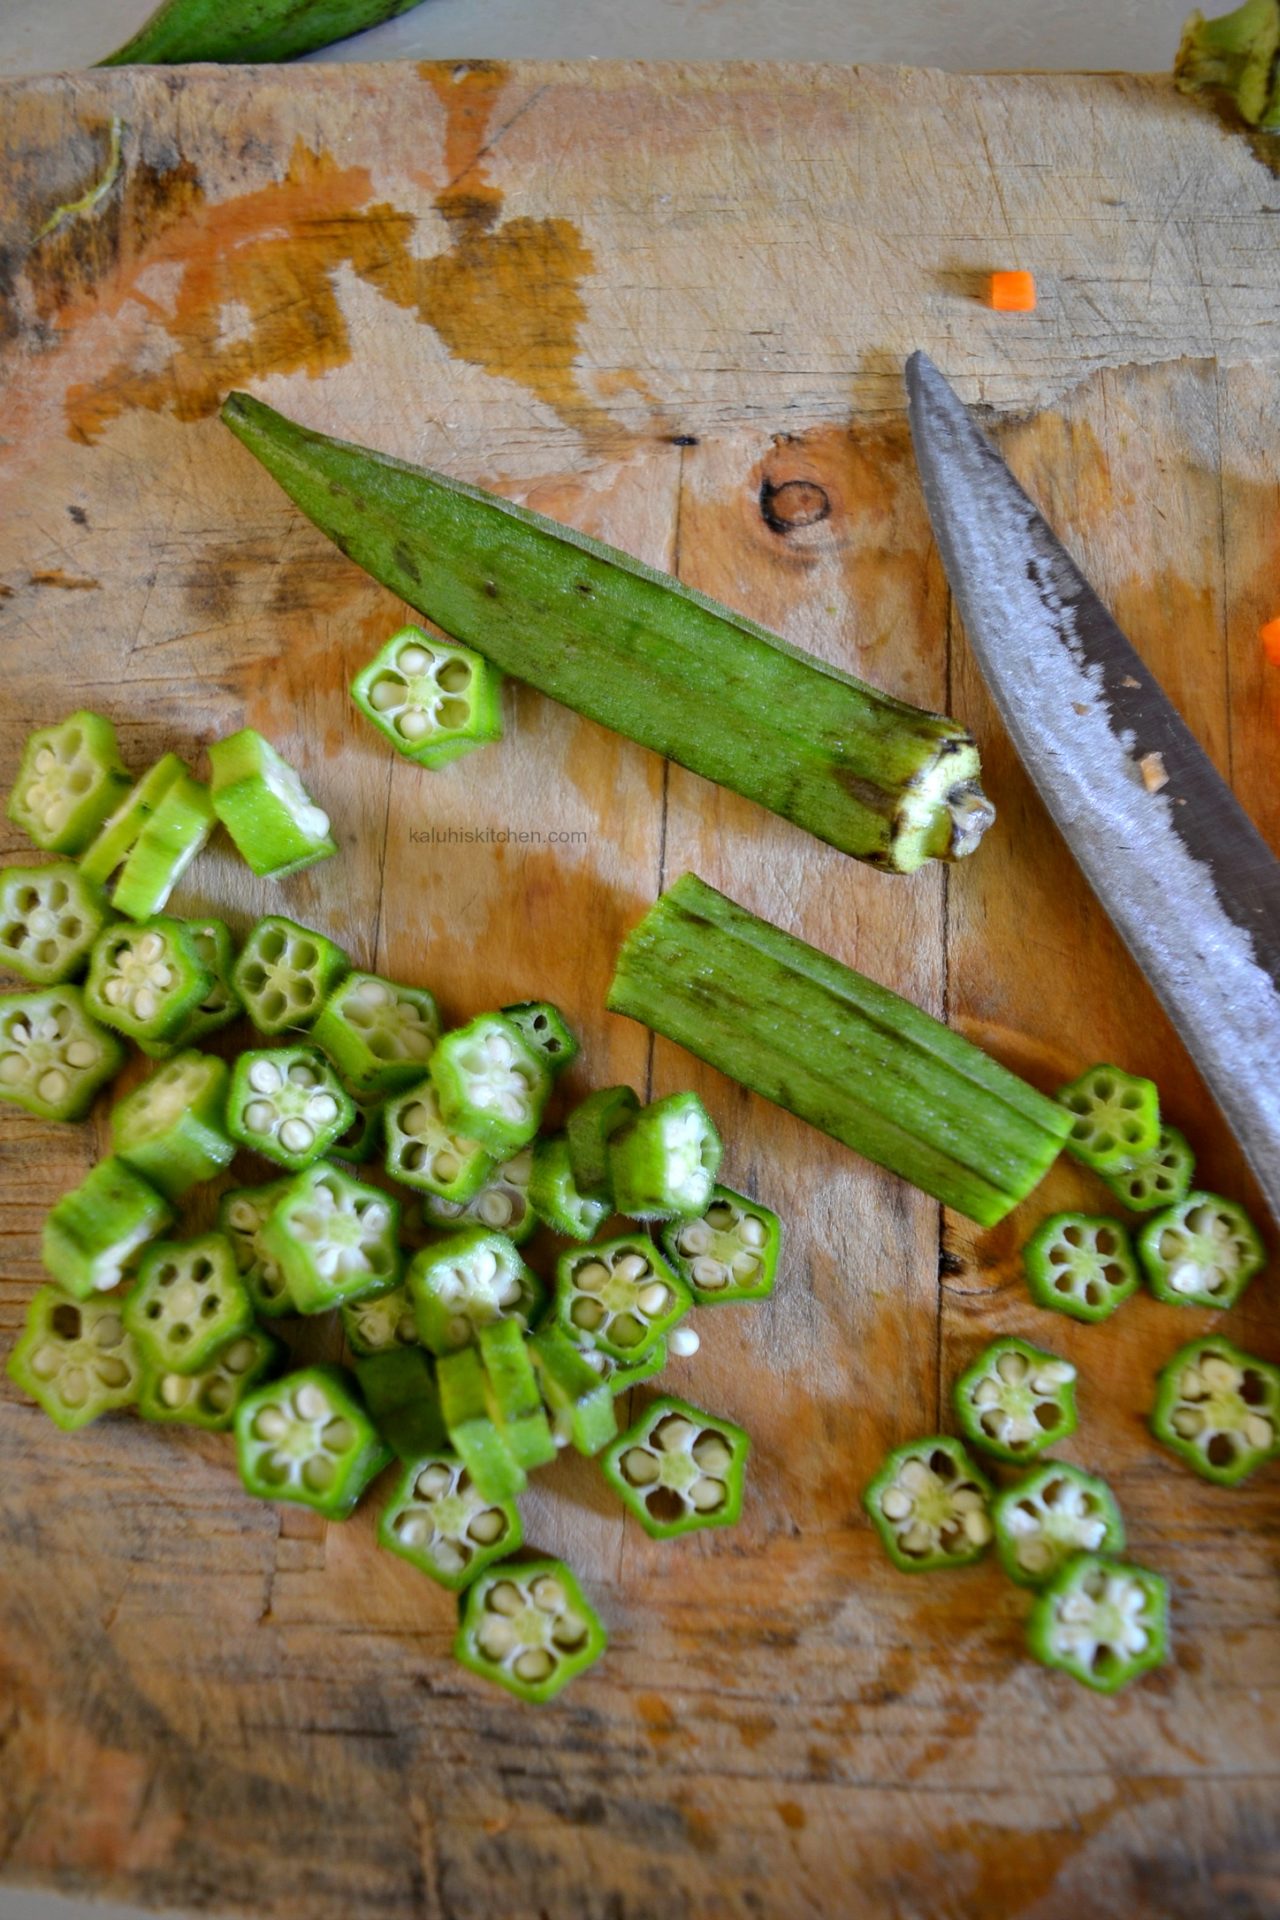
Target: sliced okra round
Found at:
x=242, y=1214
x=546, y=1030
x=1049, y=1517
x=189, y=1300
x=49, y=919
x=170, y=1128
x=530, y=1628
x=276, y=825
x=431, y=698
x=663, y=1165
x=1103, y=1621
x=578, y=1397
x=931, y=1506
x=400, y=1391
x=168, y=842
x=502, y=1204
x=146, y=980
x=1203, y=1252
x=209, y=1397
x=589, y=1129
x=220, y=1005
x=363, y=1139
x=1116, y=1118
x=464, y=1282
x=490, y=1083
x=93, y=1235
x=378, y=1034
x=679, y=1469
x=53, y=1055
x=620, y=1375
x=288, y=1105
x=1016, y=1400
x=76, y=1358
x=727, y=1252
x=1218, y=1409
x=307, y=1438
x=380, y=1322
x=438, y=1522
x=621, y=1294
x=423, y=1151
x=285, y=974
x=554, y=1197
x=69, y=779
x=1157, y=1179
x=333, y=1238
x=1081, y=1264
x=473, y=1431
x=515, y=1400
x=118, y=834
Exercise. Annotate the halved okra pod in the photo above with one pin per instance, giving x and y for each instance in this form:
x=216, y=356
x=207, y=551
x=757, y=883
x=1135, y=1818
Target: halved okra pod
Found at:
x=1081, y=1264
x=1015, y=1400
x=400, y=1391
x=425, y=1152
x=188, y=1301
x=727, y=1252
x=69, y=779
x=1203, y=1252
x=502, y=1203
x=1156, y=1179
x=379, y=1035
x=380, y=1322
x=76, y=1358
x=1103, y=1621
x=1219, y=1409
x=209, y=1397
x=621, y=1293
x=1115, y=1118
x=333, y=1238
x=285, y=974
x=546, y=1030
x=276, y=825
x=473, y=1432
x=439, y=1523
x=119, y=832
x=287, y=1104
x=679, y=1469
x=49, y=919
x=1049, y=1516
x=306, y=1438
x=589, y=1130
x=167, y=843
x=146, y=980
x=579, y=1400
x=931, y=1506
x=514, y=1396
x=554, y=1197
x=242, y=1214
x=465, y=1281
x=93, y=1234
x=53, y=1055
x=491, y=1085
x=432, y=699
x=170, y=1128
x=529, y=1627
x=663, y=1164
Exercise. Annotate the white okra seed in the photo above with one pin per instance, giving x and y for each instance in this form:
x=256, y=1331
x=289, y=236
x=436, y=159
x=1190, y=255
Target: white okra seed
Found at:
x=296, y=1136
x=752, y=1231
x=683, y=1343
x=263, y=1076
x=260, y=1116
x=653, y=1299
x=895, y=1504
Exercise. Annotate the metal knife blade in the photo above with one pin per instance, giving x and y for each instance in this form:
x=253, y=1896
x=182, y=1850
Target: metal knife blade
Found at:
x=1189, y=882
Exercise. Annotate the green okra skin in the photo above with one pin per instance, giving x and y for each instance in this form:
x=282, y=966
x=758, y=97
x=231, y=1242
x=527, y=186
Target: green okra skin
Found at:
x=931, y=1506
x=170, y=1128
x=636, y=651
x=1103, y=1621
x=118, y=834
x=378, y=1034
x=619, y=1293
x=679, y=1469
x=1015, y=1400
x=546, y=1029
x=589, y=1129
x=400, y=1391
x=1115, y=1118
x=241, y=31
x=554, y=1197
x=433, y=700
x=467, y=1280
x=333, y=1238
x=1203, y=1252
x=93, y=1235
x=426, y=1153
x=515, y=1400
x=1218, y=1409
x=243, y=1212
x=288, y=1105
x=189, y=1300
x=1158, y=1179
x=307, y=1438
x=285, y=974
x=69, y=779
x=473, y=1432
x=621, y=1375
x=528, y=1626
x=847, y=1055
x=49, y=919
x=663, y=1164
x=147, y=980
x=209, y=1397
x=54, y=1056
x=1049, y=1516
x=439, y=1522
x=727, y=1252
x=502, y=1203
x=76, y=1358
x=1081, y=1264
x=490, y=1084
x=168, y=842
x=277, y=827
x=363, y=1139
x=579, y=1399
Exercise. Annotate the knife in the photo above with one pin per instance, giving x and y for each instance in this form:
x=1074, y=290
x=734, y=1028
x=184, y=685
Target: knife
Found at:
x=1189, y=882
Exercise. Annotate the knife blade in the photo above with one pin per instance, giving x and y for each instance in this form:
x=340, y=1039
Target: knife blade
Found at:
x=1187, y=879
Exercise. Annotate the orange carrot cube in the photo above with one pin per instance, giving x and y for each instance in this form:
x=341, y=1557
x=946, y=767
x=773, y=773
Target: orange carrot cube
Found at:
x=1013, y=292
x=1270, y=638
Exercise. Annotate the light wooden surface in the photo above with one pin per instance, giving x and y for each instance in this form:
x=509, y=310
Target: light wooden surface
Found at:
x=634, y=299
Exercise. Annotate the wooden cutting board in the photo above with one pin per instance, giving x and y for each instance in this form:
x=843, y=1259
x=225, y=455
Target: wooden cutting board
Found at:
x=670, y=306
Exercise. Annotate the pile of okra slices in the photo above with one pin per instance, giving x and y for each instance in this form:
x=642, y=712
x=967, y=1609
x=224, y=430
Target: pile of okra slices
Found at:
x=468, y=1368
x=1058, y=1529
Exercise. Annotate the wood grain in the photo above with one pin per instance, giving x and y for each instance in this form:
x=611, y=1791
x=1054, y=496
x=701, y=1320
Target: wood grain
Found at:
x=670, y=307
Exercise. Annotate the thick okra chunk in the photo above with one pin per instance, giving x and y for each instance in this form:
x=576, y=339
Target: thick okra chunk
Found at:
x=1081, y=1264
x=93, y=1234
x=1050, y=1516
x=464, y=1282
x=276, y=825
x=287, y=1104
x=118, y=835
x=663, y=1165
x=439, y=1523
x=931, y=1506
x=306, y=1438
x=433, y=699
x=70, y=778
x=491, y=1085
x=473, y=1431
x=380, y=1322
x=76, y=1358
x=1116, y=1118
x=285, y=974
x=546, y=1030
x=679, y=1469
x=1016, y=1400
x=242, y=1215
x=378, y=1035
x=189, y=1301
x=1103, y=1621
x=209, y=1398
x=170, y=1129
x=333, y=1238
x=554, y=1197
x=514, y=1397
x=400, y=1391
x=729, y=1251
x=1203, y=1252
x=1218, y=1409
x=589, y=1129
x=621, y=1293
x=168, y=842
x=147, y=980
x=502, y=1203
x=530, y=1628
x=425, y=1152
x=53, y=1056
x=49, y=919
x=578, y=1398
x=1159, y=1178
x=220, y=1005
x=619, y=1375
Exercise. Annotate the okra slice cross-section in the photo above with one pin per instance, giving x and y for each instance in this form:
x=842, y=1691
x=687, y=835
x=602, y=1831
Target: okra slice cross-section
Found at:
x=242, y=1214
x=49, y=919
x=220, y=1004
x=146, y=980
x=1081, y=1264
x=439, y=1523
x=619, y=1375
x=69, y=779
x=1203, y=1252
x=425, y=1152
x=432, y=699
x=931, y=1506
x=378, y=1034
x=92, y=1235
x=546, y=1030
x=503, y=1203
x=727, y=1252
x=306, y=1438
x=1050, y=1516
x=491, y=1085
x=209, y=1397
x=285, y=973
x=1157, y=1179
x=262, y=803
x=53, y=1056
x=1103, y=1621
x=170, y=1129
x=621, y=1293
x=679, y=1469
x=663, y=1165
x=530, y=1628
x=555, y=1198
x=189, y=1301
x=1218, y=1409
x=1115, y=1118
x=333, y=1238
x=464, y=1282
x=287, y=1104
x=380, y=1322
x=1016, y=1400
x=76, y=1358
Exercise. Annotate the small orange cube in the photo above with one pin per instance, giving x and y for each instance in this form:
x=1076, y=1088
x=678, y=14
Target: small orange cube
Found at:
x=1013, y=292
x=1270, y=638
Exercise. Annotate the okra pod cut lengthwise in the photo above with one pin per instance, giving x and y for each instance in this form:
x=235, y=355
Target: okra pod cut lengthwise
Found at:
x=843, y=1053
x=636, y=651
